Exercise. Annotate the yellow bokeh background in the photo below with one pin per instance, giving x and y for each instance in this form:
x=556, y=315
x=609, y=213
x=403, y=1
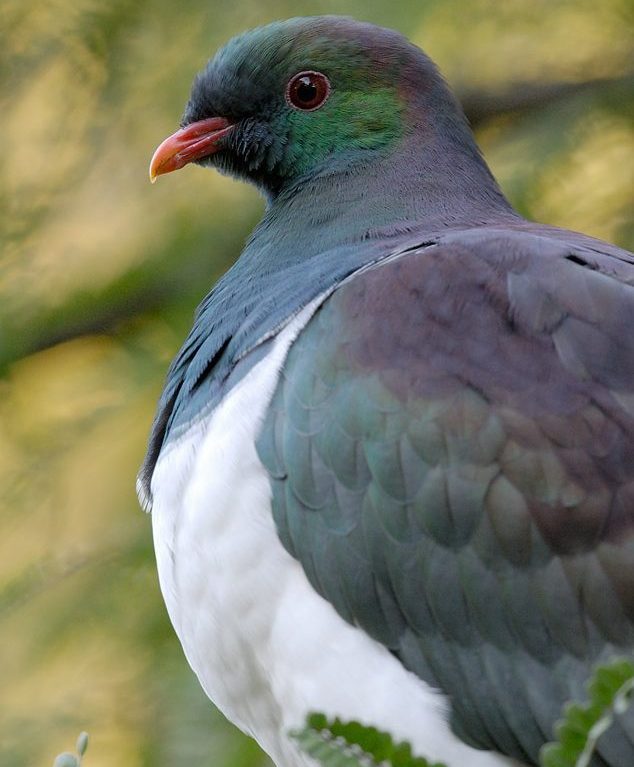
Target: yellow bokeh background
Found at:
x=99, y=276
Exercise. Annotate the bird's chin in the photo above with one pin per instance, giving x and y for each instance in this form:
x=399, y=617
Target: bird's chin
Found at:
x=211, y=161
x=227, y=164
x=224, y=163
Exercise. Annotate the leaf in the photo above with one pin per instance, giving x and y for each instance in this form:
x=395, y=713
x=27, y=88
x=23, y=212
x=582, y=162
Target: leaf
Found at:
x=66, y=760
x=611, y=690
x=82, y=743
x=334, y=743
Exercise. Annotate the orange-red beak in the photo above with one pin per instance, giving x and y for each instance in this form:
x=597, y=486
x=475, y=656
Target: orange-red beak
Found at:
x=195, y=141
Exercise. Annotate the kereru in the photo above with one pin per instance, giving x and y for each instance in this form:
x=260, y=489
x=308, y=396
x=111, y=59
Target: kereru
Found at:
x=392, y=469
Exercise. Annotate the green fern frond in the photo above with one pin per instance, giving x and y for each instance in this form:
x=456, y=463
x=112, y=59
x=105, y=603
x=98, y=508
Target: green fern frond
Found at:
x=611, y=690
x=334, y=743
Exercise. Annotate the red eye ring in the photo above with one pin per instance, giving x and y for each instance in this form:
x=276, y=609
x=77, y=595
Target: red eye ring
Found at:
x=307, y=90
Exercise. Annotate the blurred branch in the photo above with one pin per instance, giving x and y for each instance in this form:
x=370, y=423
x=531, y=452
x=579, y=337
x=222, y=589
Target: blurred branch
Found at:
x=153, y=286
x=481, y=106
x=148, y=287
x=86, y=313
x=46, y=574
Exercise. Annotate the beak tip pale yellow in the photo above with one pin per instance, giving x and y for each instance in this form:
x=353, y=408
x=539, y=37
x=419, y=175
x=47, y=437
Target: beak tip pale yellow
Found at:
x=193, y=142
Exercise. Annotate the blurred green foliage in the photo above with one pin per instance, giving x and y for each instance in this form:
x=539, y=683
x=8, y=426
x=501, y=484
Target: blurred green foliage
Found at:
x=99, y=276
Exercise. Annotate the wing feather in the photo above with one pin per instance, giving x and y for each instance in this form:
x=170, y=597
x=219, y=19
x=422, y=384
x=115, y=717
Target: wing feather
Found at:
x=451, y=451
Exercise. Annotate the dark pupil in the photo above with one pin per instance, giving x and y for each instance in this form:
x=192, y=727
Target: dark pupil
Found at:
x=306, y=90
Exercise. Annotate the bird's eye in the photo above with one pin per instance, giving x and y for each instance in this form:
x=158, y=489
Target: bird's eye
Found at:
x=307, y=90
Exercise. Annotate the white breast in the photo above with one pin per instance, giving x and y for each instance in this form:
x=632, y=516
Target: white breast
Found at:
x=266, y=647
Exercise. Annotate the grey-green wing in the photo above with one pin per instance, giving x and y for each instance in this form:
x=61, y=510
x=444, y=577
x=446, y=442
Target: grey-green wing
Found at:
x=451, y=450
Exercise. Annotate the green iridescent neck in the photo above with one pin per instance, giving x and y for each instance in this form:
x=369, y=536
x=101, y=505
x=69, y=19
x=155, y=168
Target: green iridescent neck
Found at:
x=352, y=122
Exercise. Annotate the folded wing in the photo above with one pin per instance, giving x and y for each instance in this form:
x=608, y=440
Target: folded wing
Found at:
x=451, y=450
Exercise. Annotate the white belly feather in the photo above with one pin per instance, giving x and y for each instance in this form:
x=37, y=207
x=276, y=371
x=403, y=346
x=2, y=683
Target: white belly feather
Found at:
x=266, y=647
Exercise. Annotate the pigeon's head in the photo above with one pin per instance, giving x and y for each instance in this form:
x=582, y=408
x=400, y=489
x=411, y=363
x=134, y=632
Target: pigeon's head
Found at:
x=305, y=97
